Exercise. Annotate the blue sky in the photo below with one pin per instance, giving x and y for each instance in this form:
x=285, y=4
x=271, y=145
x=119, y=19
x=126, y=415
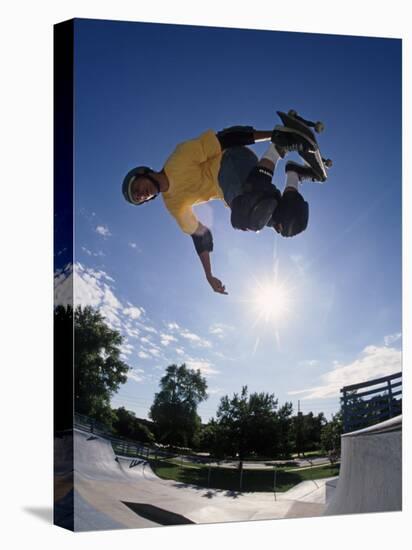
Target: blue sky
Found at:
x=142, y=88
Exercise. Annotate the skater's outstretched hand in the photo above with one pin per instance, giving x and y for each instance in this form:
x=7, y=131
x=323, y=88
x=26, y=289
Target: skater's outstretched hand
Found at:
x=216, y=284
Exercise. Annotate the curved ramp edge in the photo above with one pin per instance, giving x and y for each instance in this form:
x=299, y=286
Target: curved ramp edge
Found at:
x=371, y=472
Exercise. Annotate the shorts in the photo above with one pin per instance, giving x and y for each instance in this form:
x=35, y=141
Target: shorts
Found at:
x=236, y=165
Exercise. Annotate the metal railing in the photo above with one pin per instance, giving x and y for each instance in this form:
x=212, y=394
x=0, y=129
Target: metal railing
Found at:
x=125, y=447
x=381, y=401
x=121, y=446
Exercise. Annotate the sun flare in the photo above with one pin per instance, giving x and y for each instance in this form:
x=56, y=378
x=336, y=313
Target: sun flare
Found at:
x=272, y=301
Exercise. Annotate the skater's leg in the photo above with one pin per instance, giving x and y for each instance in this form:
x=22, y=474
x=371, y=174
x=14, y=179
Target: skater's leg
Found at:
x=270, y=158
x=292, y=215
x=236, y=164
x=292, y=180
x=297, y=173
x=254, y=207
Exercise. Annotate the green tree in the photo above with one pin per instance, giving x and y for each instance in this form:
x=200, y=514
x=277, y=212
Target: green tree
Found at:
x=174, y=408
x=284, y=415
x=306, y=432
x=247, y=424
x=208, y=437
x=331, y=436
x=313, y=428
x=127, y=425
x=98, y=369
x=298, y=433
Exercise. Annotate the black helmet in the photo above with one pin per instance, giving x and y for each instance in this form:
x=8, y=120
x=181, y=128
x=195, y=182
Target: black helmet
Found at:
x=129, y=179
x=293, y=213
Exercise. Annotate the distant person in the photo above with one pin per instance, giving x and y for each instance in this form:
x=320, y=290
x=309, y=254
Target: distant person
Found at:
x=221, y=166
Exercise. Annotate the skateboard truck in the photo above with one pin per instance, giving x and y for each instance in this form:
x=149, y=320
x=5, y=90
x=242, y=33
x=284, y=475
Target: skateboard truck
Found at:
x=318, y=126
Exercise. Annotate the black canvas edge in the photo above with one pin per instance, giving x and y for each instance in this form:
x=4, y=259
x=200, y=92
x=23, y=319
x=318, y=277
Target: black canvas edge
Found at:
x=63, y=176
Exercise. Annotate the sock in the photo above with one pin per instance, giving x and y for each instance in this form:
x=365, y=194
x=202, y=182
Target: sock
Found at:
x=292, y=180
x=271, y=154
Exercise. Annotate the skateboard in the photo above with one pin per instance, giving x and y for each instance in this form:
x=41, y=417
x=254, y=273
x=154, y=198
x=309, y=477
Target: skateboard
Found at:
x=312, y=156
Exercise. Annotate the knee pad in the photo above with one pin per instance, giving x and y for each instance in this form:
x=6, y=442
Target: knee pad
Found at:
x=292, y=212
x=252, y=211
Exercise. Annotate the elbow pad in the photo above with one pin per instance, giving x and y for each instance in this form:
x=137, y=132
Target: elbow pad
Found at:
x=236, y=136
x=204, y=241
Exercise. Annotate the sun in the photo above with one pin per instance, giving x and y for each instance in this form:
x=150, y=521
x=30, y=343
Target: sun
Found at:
x=272, y=301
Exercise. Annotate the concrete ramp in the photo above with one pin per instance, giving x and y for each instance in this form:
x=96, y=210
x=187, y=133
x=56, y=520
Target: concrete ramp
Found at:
x=111, y=492
x=371, y=470
x=94, y=458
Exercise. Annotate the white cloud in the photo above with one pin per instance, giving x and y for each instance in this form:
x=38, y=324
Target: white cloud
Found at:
x=63, y=286
x=131, y=331
x=111, y=317
x=195, y=339
x=152, y=330
x=89, y=289
x=205, y=367
x=110, y=299
x=392, y=338
x=85, y=287
x=135, y=247
x=143, y=355
x=165, y=339
x=90, y=253
x=173, y=326
x=132, y=312
x=220, y=330
x=180, y=351
x=154, y=351
x=373, y=362
x=103, y=230
x=127, y=349
x=135, y=375
x=214, y=391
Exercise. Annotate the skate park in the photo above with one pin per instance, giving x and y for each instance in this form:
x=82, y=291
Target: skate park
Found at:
x=115, y=492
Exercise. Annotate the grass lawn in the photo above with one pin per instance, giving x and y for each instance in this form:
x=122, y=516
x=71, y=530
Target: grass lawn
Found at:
x=228, y=479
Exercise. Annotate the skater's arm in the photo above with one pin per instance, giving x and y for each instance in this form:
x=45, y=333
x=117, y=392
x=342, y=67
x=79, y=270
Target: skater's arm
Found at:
x=203, y=241
x=215, y=283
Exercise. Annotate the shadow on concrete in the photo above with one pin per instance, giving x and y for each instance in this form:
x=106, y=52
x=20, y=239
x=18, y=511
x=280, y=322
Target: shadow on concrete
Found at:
x=157, y=515
x=43, y=513
x=209, y=493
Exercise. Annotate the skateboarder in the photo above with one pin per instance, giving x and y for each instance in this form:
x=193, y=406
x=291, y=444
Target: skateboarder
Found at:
x=221, y=166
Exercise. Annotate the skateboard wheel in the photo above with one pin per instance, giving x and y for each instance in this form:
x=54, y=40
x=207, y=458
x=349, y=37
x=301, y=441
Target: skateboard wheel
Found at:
x=328, y=163
x=319, y=127
x=292, y=112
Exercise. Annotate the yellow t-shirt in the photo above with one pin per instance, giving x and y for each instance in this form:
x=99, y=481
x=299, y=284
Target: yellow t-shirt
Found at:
x=192, y=170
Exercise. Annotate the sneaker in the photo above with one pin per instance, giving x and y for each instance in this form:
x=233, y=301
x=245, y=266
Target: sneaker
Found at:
x=304, y=171
x=286, y=140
